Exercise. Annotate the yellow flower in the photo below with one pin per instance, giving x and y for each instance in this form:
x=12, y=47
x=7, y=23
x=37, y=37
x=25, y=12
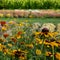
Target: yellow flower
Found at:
x=4, y=28
x=22, y=58
x=6, y=25
x=19, y=49
x=1, y=47
x=39, y=41
x=29, y=45
x=52, y=34
x=58, y=42
x=38, y=52
x=5, y=51
x=46, y=43
x=8, y=15
x=46, y=35
x=13, y=52
x=18, y=36
x=10, y=45
x=11, y=22
x=37, y=33
x=54, y=44
x=21, y=24
x=57, y=55
x=55, y=33
x=1, y=15
x=48, y=46
x=2, y=40
x=48, y=53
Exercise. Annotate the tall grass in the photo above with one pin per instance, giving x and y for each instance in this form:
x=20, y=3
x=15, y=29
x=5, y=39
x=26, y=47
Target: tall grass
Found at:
x=29, y=4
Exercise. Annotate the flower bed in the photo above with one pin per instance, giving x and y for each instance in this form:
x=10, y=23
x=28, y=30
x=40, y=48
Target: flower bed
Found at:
x=30, y=13
x=29, y=41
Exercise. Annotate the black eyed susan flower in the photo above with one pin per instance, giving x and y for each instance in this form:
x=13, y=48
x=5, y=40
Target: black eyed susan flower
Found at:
x=57, y=55
x=19, y=54
x=45, y=30
x=38, y=52
x=48, y=53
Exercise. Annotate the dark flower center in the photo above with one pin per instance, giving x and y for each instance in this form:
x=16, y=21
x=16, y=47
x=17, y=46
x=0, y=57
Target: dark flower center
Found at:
x=45, y=30
x=19, y=53
x=52, y=40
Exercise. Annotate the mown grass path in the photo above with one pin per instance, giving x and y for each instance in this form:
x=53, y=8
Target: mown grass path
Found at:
x=32, y=20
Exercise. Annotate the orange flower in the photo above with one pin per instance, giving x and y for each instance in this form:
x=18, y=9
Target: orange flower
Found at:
x=5, y=35
x=2, y=23
x=19, y=33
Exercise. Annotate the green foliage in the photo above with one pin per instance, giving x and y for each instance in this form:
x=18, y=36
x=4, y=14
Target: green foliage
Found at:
x=29, y=4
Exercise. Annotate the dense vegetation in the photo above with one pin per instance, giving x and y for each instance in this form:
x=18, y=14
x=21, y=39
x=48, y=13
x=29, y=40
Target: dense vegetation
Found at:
x=29, y=41
x=29, y=4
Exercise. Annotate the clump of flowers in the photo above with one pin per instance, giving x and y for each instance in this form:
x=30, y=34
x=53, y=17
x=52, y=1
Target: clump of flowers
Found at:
x=19, y=54
x=29, y=41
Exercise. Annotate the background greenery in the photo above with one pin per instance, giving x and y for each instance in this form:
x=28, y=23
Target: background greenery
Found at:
x=29, y=4
x=32, y=20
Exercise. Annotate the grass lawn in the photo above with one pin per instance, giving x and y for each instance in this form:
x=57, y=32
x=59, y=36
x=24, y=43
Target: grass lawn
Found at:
x=41, y=20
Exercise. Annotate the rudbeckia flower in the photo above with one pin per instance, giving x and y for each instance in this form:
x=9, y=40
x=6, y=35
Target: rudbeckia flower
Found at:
x=38, y=52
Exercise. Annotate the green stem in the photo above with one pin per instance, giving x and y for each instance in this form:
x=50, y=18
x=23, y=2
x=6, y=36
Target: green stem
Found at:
x=42, y=49
x=38, y=58
x=42, y=45
x=44, y=54
x=53, y=52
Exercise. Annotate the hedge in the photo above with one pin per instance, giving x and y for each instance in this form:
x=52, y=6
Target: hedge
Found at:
x=29, y=4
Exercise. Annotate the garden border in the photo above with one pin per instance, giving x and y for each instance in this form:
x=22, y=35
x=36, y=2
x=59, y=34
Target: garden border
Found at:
x=29, y=13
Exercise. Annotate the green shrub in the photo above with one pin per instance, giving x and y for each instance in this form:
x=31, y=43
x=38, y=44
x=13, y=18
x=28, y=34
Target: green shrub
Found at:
x=1, y=5
x=29, y=4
